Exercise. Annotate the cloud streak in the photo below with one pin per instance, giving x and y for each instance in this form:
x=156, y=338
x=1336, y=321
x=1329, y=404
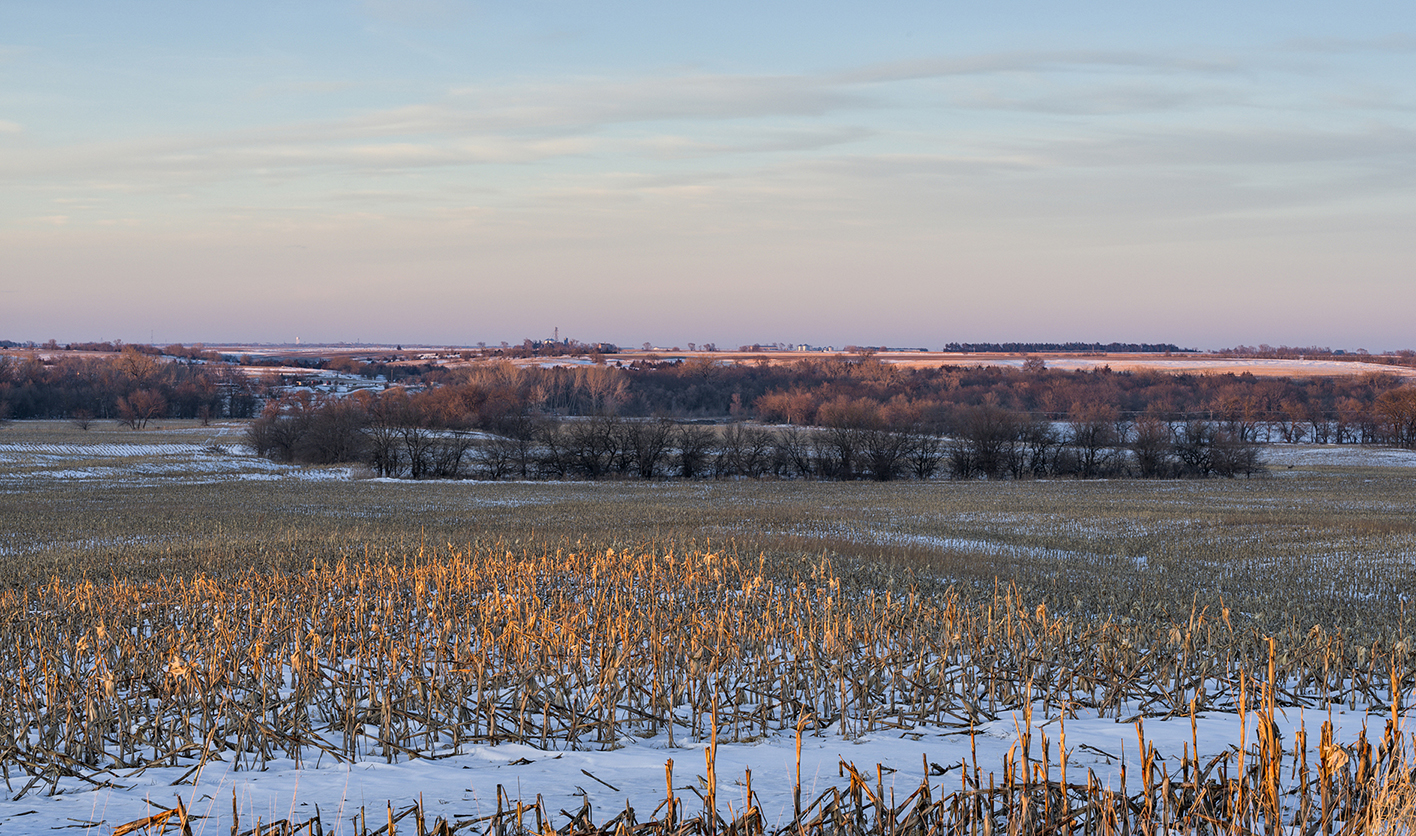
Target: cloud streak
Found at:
x=1041, y=61
x=1079, y=134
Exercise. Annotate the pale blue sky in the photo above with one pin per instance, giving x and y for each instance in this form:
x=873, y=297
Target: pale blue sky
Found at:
x=902, y=173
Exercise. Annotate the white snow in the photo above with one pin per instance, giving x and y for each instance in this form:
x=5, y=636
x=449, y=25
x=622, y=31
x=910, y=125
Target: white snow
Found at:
x=1348, y=455
x=460, y=786
x=1191, y=365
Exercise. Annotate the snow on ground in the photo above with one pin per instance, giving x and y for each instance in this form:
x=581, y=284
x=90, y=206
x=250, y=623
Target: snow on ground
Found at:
x=1190, y=365
x=1351, y=455
x=138, y=463
x=217, y=452
x=465, y=785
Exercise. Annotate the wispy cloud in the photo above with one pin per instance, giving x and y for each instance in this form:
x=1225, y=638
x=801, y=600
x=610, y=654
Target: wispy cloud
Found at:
x=677, y=146
x=594, y=102
x=1043, y=61
x=299, y=88
x=1007, y=116
x=482, y=125
x=1097, y=100
x=1374, y=145
x=1398, y=43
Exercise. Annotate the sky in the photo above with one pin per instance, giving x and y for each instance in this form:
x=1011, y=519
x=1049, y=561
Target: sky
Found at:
x=892, y=173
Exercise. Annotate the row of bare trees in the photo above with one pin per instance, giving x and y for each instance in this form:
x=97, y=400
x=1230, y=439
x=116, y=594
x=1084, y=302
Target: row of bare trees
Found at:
x=1094, y=442
x=421, y=436
x=140, y=385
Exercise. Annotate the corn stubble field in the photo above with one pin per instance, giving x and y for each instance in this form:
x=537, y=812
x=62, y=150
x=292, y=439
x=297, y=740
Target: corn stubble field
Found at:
x=182, y=608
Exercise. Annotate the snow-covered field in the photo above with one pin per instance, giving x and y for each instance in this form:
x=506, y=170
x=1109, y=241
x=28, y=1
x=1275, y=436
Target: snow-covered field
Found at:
x=462, y=783
x=1336, y=455
x=1177, y=365
x=464, y=786
x=220, y=453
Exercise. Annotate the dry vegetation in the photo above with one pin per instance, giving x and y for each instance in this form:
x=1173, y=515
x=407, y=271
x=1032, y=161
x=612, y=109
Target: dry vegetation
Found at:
x=166, y=622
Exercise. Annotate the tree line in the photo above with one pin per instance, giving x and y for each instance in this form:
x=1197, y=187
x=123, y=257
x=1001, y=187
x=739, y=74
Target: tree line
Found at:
x=829, y=419
x=874, y=406
x=133, y=386
x=398, y=434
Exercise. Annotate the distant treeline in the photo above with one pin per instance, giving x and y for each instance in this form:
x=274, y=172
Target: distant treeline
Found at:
x=134, y=386
x=1404, y=357
x=402, y=435
x=1069, y=348
x=833, y=419
x=831, y=392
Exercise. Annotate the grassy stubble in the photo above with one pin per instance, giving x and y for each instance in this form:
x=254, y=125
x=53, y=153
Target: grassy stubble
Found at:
x=170, y=623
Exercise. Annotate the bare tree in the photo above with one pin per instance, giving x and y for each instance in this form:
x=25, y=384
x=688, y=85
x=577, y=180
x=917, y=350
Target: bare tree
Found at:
x=384, y=437
x=1042, y=444
x=450, y=450
x=137, y=366
x=555, y=459
x=604, y=388
x=984, y=438
x=793, y=452
x=1151, y=446
x=743, y=451
x=1395, y=412
x=1320, y=427
x=1293, y=421
x=141, y=406
x=333, y=432
x=692, y=446
x=1092, y=435
x=1193, y=445
x=648, y=442
x=925, y=452
x=495, y=457
x=593, y=445
x=1232, y=454
x=884, y=452
x=518, y=432
x=840, y=442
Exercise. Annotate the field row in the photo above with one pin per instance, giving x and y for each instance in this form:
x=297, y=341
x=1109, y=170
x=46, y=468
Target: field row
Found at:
x=443, y=652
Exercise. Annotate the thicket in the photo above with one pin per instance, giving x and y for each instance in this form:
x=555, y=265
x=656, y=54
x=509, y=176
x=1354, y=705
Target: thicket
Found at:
x=839, y=418
x=408, y=436
x=833, y=419
x=133, y=386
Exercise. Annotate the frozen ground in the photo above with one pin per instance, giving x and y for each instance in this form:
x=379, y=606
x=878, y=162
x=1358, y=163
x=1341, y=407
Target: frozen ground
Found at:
x=218, y=453
x=464, y=786
x=1282, y=456
x=1177, y=365
x=215, y=453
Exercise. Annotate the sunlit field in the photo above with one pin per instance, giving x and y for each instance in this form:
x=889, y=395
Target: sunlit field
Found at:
x=186, y=622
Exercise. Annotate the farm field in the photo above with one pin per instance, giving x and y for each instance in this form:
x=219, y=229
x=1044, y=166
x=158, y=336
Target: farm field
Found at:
x=188, y=621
